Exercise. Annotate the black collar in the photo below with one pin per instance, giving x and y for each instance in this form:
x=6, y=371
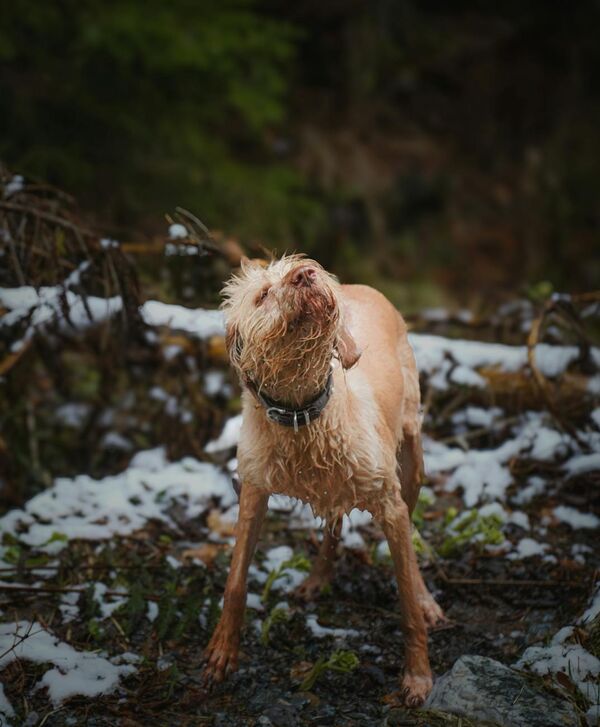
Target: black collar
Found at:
x=289, y=417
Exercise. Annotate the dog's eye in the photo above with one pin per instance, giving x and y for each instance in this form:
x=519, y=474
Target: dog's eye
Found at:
x=262, y=295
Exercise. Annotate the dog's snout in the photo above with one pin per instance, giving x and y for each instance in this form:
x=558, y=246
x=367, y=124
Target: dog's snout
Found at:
x=304, y=276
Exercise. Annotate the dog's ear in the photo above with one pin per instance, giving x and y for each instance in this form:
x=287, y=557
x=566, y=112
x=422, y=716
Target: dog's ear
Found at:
x=233, y=343
x=247, y=264
x=347, y=348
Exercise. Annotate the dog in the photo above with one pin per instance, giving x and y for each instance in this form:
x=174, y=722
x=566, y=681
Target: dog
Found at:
x=330, y=416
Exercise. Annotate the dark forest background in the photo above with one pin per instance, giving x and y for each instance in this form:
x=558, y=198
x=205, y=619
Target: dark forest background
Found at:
x=435, y=149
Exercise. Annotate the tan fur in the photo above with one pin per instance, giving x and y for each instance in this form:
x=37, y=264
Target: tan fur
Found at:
x=363, y=452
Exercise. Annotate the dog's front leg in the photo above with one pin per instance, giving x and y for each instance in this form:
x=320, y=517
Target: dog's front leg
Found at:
x=395, y=520
x=222, y=651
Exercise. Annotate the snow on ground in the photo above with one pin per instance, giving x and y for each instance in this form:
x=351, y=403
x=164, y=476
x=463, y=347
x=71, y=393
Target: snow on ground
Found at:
x=89, y=509
x=575, y=518
x=565, y=655
x=229, y=436
x=74, y=672
x=322, y=631
x=275, y=560
x=484, y=475
x=44, y=305
x=197, y=321
x=438, y=357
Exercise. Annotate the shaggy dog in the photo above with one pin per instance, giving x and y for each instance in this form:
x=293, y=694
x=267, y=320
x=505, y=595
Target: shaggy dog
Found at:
x=330, y=416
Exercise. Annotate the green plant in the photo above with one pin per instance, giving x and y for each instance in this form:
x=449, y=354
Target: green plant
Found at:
x=298, y=562
x=424, y=501
x=277, y=615
x=469, y=527
x=340, y=661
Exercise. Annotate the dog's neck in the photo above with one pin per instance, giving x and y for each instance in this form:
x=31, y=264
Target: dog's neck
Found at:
x=295, y=384
x=294, y=415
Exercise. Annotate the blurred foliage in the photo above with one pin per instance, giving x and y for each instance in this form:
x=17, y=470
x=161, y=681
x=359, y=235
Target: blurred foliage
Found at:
x=394, y=141
x=142, y=106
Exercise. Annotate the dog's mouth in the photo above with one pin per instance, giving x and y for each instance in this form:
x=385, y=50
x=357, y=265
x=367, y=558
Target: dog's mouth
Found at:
x=305, y=298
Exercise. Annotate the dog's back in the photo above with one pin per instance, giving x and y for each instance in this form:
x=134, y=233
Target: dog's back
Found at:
x=389, y=364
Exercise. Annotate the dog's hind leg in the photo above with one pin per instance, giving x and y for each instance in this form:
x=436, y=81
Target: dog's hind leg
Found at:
x=322, y=570
x=394, y=517
x=222, y=651
x=410, y=461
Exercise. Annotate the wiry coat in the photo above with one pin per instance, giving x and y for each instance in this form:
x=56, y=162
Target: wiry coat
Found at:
x=288, y=325
x=348, y=457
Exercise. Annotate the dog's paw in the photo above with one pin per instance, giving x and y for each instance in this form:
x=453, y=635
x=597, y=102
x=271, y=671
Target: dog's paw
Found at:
x=432, y=612
x=415, y=688
x=311, y=587
x=220, y=657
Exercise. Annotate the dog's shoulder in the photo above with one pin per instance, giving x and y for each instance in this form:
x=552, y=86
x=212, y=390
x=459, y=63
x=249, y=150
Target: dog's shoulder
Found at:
x=369, y=309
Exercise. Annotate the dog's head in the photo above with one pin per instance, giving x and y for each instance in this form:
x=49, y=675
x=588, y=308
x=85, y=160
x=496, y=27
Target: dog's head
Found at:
x=284, y=321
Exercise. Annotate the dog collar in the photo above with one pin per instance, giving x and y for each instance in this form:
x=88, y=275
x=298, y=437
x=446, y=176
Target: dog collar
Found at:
x=289, y=417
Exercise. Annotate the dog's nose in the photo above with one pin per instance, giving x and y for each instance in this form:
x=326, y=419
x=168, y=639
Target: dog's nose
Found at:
x=306, y=275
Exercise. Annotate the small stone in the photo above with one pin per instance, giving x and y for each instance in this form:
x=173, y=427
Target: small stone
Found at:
x=282, y=715
x=324, y=715
x=222, y=720
x=375, y=674
x=483, y=689
x=400, y=718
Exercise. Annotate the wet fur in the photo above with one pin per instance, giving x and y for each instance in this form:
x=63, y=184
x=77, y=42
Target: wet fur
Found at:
x=364, y=450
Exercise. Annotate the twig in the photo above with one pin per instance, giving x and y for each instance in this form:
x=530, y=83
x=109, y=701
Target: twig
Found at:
x=482, y=430
x=540, y=379
x=502, y=581
x=19, y=640
x=512, y=582
x=13, y=207
x=15, y=587
x=94, y=566
x=12, y=358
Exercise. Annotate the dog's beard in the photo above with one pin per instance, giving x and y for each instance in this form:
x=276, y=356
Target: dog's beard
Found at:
x=287, y=355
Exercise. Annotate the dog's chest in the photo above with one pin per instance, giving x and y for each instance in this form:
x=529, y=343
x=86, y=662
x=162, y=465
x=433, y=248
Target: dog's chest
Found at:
x=331, y=466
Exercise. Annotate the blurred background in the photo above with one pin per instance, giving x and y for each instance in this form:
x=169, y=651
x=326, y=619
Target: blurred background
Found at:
x=443, y=152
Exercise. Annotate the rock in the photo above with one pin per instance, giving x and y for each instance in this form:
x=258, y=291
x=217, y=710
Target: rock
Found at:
x=375, y=674
x=483, y=689
x=324, y=715
x=400, y=717
x=282, y=714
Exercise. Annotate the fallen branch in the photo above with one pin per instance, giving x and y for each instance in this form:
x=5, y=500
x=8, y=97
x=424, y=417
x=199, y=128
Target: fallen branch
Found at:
x=17, y=588
x=49, y=217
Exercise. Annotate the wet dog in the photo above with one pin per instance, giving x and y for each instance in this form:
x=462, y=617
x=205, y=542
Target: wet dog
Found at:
x=330, y=416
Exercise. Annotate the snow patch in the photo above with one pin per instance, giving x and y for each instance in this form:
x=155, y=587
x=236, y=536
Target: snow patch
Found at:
x=322, y=631
x=527, y=548
x=197, y=321
x=74, y=672
x=575, y=518
x=91, y=509
x=228, y=438
x=177, y=231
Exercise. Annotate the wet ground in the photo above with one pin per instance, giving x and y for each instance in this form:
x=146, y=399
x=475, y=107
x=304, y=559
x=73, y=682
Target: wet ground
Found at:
x=490, y=613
